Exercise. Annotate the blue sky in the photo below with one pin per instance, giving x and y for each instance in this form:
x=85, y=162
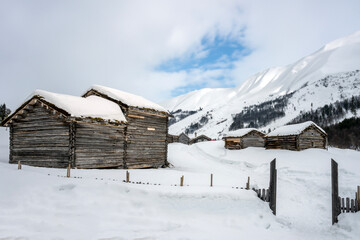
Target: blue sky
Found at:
x=219, y=53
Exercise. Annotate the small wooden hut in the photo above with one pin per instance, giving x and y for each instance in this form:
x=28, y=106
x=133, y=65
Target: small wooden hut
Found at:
x=147, y=127
x=243, y=138
x=297, y=137
x=54, y=130
x=201, y=138
x=183, y=138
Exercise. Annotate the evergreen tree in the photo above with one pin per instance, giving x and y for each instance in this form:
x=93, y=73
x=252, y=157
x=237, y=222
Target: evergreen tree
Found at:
x=4, y=112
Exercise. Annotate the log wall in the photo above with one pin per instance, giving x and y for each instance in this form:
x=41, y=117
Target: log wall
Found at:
x=253, y=139
x=99, y=146
x=146, y=144
x=39, y=138
x=232, y=143
x=281, y=142
x=311, y=138
x=183, y=139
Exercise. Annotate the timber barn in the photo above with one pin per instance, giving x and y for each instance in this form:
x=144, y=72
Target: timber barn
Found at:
x=182, y=138
x=54, y=130
x=201, y=138
x=243, y=138
x=297, y=137
x=147, y=127
x=172, y=138
x=106, y=128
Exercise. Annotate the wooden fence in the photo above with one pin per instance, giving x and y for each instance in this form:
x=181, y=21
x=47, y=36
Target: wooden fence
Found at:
x=348, y=205
x=269, y=195
x=341, y=205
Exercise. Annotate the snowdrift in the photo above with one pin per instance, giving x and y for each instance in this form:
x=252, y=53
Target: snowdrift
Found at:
x=40, y=203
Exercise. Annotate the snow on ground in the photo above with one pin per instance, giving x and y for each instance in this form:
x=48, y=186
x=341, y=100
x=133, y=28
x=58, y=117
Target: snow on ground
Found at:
x=40, y=203
x=4, y=145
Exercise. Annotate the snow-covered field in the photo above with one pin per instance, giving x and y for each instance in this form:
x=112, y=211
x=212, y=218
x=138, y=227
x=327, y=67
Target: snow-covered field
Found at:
x=40, y=203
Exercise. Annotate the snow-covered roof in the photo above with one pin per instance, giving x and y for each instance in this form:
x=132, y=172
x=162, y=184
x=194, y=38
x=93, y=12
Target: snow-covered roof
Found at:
x=92, y=106
x=128, y=98
x=293, y=129
x=239, y=132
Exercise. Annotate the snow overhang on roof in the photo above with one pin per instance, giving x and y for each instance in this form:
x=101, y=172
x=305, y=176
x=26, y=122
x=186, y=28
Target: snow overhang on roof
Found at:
x=91, y=107
x=128, y=98
x=239, y=132
x=293, y=129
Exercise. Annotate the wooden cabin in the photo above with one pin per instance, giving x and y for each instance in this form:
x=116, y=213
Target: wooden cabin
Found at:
x=201, y=138
x=243, y=138
x=172, y=138
x=55, y=130
x=183, y=138
x=297, y=137
x=147, y=127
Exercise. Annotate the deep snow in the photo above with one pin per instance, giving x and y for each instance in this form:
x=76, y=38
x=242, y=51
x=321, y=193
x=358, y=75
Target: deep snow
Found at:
x=40, y=203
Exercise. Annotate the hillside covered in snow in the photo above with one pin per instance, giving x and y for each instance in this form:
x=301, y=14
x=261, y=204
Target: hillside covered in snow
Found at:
x=276, y=96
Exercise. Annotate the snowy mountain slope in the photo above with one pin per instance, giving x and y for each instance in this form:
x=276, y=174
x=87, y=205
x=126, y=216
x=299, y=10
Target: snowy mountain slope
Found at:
x=321, y=78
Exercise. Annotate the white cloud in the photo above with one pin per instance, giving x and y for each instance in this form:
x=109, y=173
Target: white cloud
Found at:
x=66, y=46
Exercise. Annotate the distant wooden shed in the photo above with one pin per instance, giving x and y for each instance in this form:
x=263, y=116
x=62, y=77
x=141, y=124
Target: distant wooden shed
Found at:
x=147, y=127
x=183, y=138
x=297, y=137
x=201, y=138
x=243, y=138
x=54, y=130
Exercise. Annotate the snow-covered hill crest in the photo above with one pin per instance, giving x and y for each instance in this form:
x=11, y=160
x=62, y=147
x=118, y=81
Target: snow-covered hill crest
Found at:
x=330, y=74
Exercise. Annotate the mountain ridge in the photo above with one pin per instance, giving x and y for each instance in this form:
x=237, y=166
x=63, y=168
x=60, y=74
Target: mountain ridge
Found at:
x=337, y=60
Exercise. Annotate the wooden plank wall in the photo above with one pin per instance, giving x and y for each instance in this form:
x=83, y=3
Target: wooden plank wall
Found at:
x=183, y=139
x=99, y=146
x=281, y=142
x=40, y=139
x=232, y=143
x=311, y=138
x=146, y=145
x=253, y=139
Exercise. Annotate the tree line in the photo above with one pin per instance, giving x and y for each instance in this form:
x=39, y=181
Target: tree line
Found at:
x=344, y=134
x=330, y=113
x=259, y=115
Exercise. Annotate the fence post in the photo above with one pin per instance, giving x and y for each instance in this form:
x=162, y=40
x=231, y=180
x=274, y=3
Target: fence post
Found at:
x=19, y=165
x=334, y=191
x=352, y=205
x=358, y=196
x=182, y=181
x=211, y=180
x=248, y=184
x=68, y=171
x=273, y=186
x=127, y=176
